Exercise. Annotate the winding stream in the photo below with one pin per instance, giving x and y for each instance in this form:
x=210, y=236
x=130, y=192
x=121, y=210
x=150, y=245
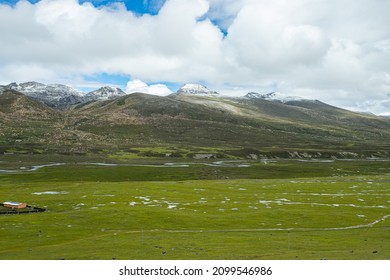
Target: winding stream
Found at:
x=238, y=164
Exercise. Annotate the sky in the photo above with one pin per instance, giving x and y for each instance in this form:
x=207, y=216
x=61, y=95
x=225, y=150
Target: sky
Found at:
x=336, y=51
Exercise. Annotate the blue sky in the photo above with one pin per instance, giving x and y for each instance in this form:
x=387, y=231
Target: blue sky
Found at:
x=117, y=80
x=336, y=51
x=137, y=6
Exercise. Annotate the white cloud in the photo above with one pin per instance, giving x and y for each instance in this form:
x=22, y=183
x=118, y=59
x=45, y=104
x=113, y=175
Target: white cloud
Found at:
x=382, y=106
x=336, y=51
x=264, y=39
x=155, y=89
x=224, y=12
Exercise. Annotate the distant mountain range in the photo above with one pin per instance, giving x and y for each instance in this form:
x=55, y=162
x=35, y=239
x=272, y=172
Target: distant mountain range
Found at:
x=38, y=118
x=62, y=96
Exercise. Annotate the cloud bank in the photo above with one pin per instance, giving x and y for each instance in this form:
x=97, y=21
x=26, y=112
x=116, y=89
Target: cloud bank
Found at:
x=335, y=51
x=140, y=86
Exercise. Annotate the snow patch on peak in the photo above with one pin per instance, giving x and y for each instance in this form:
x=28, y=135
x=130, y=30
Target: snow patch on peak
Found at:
x=62, y=96
x=104, y=93
x=196, y=89
x=276, y=96
x=260, y=95
x=30, y=85
x=54, y=91
x=54, y=95
x=193, y=87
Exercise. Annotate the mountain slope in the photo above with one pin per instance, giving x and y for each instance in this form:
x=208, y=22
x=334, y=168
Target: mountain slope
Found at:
x=315, y=112
x=17, y=106
x=209, y=121
x=258, y=125
x=24, y=122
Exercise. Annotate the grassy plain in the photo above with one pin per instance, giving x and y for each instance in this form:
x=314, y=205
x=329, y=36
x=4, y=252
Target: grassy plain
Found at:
x=285, y=209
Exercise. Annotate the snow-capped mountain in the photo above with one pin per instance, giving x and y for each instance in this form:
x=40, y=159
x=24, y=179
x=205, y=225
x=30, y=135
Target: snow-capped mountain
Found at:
x=196, y=89
x=62, y=96
x=54, y=95
x=255, y=95
x=276, y=96
x=35, y=89
x=104, y=93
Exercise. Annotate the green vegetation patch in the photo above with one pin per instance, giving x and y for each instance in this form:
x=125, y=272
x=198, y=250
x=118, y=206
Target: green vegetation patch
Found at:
x=97, y=217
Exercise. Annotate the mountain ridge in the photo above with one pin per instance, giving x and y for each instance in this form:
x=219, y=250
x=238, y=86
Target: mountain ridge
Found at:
x=137, y=120
x=196, y=89
x=62, y=96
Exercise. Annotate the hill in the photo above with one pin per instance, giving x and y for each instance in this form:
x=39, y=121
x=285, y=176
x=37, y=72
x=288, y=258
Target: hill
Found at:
x=229, y=127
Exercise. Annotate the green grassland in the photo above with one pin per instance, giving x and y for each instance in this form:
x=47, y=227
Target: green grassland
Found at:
x=285, y=209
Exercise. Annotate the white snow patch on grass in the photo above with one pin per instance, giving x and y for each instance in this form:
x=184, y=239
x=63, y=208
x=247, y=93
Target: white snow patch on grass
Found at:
x=50, y=192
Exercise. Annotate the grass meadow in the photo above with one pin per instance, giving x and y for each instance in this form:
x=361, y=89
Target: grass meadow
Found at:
x=199, y=210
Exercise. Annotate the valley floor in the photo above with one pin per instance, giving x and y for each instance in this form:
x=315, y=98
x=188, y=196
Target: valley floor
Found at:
x=262, y=211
